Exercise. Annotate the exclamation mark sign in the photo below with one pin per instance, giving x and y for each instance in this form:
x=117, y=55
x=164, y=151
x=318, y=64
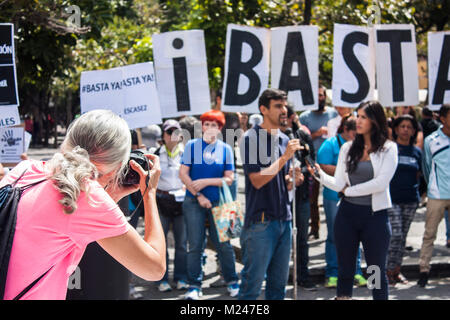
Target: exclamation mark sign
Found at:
x=181, y=81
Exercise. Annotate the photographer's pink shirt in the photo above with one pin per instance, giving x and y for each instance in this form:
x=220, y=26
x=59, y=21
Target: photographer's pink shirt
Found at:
x=46, y=237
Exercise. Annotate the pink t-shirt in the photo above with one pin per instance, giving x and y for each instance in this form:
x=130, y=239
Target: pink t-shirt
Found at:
x=47, y=237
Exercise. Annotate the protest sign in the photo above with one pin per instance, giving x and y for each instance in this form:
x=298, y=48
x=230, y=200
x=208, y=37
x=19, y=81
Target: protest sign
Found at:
x=295, y=64
x=353, y=65
x=9, y=98
x=396, y=65
x=11, y=145
x=181, y=73
x=246, y=68
x=438, y=69
x=128, y=91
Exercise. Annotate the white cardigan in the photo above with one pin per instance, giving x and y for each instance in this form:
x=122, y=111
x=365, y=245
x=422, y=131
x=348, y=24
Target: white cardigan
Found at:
x=384, y=164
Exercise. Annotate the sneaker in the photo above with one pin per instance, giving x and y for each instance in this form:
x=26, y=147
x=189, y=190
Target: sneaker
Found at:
x=164, y=286
x=399, y=278
x=182, y=285
x=193, y=294
x=331, y=283
x=360, y=281
x=423, y=279
x=233, y=290
x=307, y=285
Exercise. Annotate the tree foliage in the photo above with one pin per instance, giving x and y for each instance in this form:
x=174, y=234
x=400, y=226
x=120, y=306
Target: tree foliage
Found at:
x=52, y=53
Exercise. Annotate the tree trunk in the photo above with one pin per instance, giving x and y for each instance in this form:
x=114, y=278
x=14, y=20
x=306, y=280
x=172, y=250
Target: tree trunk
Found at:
x=55, y=132
x=69, y=116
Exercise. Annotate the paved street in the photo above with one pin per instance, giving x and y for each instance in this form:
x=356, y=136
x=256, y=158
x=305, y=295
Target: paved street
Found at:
x=439, y=287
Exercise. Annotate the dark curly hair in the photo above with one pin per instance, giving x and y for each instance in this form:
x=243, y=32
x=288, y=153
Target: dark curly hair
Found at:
x=378, y=133
x=414, y=123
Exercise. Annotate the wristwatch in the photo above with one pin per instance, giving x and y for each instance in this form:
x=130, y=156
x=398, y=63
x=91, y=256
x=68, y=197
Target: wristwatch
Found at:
x=198, y=194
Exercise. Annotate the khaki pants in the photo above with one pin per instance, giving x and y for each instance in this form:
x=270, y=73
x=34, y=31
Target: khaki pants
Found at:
x=434, y=215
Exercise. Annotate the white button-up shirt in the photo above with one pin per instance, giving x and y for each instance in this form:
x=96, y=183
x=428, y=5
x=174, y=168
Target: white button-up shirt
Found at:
x=170, y=168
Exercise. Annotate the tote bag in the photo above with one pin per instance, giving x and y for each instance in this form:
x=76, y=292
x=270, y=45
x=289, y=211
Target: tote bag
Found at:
x=228, y=215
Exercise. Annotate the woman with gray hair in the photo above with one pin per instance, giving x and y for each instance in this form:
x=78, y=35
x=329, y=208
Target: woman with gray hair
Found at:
x=74, y=204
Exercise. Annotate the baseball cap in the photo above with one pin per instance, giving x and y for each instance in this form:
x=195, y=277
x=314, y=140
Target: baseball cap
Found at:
x=171, y=124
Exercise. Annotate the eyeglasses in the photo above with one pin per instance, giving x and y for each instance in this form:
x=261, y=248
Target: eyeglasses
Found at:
x=170, y=131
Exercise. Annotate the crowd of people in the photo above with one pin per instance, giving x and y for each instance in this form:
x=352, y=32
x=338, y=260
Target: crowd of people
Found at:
x=375, y=166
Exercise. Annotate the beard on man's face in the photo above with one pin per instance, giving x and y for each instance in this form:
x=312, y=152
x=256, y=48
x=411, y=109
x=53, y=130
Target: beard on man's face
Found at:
x=321, y=105
x=283, y=120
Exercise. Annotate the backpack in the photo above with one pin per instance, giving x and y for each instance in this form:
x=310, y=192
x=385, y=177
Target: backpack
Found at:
x=9, y=201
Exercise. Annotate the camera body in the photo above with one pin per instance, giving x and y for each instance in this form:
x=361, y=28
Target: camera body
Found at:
x=132, y=177
x=305, y=156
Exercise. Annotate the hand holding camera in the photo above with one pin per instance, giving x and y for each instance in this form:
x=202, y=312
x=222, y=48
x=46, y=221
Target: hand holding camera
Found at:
x=148, y=169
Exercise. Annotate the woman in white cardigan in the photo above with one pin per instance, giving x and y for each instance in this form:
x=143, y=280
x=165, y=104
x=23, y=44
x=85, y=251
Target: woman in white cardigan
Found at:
x=364, y=170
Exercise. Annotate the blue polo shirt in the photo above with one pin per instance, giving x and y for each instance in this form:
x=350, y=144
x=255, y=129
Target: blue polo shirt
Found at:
x=328, y=154
x=207, y=161
x=259, y=150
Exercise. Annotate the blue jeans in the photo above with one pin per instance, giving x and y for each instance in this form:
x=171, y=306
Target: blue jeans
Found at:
x=266, y=250
x=234, y=187
x=302, y=222
x=195, y=217
x=179, y=233
x=331, y=269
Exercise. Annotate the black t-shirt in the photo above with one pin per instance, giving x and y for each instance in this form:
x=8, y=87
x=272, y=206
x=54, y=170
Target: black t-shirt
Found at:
x=271, y=201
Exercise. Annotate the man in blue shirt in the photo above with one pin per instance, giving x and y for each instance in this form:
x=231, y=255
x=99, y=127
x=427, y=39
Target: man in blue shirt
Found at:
x=436, y=164
x=266, y=236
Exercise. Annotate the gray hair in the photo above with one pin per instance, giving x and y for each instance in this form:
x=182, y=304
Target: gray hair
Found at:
x=98, y=137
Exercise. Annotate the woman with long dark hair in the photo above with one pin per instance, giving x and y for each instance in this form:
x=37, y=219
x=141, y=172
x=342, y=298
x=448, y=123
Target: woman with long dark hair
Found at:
x=364, y=170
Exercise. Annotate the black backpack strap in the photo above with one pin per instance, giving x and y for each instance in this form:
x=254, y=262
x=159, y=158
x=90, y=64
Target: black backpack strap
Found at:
x=17, y=180
x=32, y=184
x=23, y=188
x=28, y=288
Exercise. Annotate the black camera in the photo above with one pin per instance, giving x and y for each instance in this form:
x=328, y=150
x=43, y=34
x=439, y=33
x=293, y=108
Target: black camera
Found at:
x=132, y=176
x=306, y=156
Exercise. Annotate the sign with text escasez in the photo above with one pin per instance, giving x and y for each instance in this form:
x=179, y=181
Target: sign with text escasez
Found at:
x=9, y=99
x=128, y=91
